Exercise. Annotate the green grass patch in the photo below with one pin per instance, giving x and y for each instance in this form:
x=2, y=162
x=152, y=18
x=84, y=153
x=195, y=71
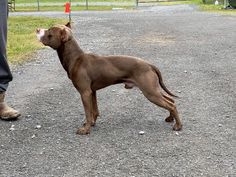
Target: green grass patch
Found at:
x=218, y=9
x=208, y=6
x=175, y=2
x=211, y=7
x=22, y=41
x=73, y=8
x=64, y=1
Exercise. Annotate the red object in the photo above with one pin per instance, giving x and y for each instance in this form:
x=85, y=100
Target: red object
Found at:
x=67, y=7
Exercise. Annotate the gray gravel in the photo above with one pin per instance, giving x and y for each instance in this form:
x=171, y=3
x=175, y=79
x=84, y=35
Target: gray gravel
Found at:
x=195, y=52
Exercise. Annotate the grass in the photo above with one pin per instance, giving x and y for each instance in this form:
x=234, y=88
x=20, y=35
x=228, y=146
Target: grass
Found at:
x=64, y=1
x=22, y=41
x=73, y=8
x=209, y=6
x=175, y=2
x=20, y=7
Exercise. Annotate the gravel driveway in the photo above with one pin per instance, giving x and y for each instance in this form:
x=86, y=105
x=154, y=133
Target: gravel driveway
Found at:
x=196, y=53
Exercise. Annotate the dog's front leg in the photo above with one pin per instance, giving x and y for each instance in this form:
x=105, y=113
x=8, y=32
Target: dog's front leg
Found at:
x=86, y=97
x=95, y=108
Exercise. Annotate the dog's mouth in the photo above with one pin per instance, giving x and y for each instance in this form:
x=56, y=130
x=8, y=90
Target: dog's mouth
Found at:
x=40, y=33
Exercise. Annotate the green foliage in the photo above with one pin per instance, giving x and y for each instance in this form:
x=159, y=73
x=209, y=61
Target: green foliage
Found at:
x=74, y=8
x=22, y=40
x=73, y=1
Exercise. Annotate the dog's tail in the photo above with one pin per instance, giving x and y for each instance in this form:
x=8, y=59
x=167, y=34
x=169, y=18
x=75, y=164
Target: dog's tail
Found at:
x=161, y=81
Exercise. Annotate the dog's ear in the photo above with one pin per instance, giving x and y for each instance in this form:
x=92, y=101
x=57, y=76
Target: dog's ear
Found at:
x=68, y=25
x=65, y=35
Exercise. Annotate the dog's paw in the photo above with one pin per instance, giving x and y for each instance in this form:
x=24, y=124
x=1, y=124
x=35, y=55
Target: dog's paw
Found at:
x=93, y=123
x=177, y=127
x=169, y=119
x=83, y=131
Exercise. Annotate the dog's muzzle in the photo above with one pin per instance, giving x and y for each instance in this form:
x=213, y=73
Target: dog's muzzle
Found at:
x=40, y=33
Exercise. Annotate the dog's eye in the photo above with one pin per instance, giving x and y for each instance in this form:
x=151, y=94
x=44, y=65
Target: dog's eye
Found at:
x=49, y=36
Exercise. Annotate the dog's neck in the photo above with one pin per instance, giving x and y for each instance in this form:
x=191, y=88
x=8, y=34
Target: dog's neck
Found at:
x=68, y=53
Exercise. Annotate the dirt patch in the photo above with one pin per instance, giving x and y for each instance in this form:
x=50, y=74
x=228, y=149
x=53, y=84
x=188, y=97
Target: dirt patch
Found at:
x=156, y=38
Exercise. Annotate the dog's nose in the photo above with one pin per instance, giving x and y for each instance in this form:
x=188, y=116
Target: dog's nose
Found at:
x=37, y=30
x=40, y=33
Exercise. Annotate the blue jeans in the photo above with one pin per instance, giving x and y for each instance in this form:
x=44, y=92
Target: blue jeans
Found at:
x=5, y=73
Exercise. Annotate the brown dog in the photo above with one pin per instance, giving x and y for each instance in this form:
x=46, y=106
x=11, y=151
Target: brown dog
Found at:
x=90, y=72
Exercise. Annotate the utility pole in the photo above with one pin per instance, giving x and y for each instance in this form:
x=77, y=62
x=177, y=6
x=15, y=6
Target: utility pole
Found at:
x=38, y=5
x=70, y=13
x=86, y=4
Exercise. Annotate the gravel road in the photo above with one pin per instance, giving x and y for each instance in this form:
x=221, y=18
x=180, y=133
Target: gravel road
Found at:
x=195, y=52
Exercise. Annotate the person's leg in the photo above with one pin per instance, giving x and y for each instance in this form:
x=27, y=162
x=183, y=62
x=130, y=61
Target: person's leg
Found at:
x=6, y=112
x=5, y=73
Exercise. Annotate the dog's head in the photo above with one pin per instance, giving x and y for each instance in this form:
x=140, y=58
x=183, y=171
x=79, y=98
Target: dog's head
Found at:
x=55, y=36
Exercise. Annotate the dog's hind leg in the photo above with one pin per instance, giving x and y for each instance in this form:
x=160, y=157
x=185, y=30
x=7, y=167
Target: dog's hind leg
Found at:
x=170, y=118
x=88, y=108
x=168, y=98
x=161, y=101
x=151, y=89
x=95, y=108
